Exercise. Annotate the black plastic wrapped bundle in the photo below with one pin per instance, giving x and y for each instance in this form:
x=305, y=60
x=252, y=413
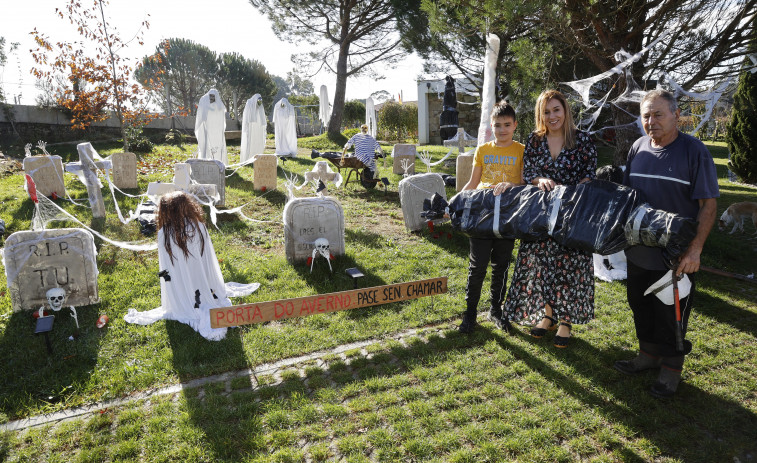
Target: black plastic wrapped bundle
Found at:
x=448, y=120
x=596, y=216
x=657, y=228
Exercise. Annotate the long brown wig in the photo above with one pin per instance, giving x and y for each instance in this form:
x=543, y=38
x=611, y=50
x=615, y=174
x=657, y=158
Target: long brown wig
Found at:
x=179, y=216
x=568, y=126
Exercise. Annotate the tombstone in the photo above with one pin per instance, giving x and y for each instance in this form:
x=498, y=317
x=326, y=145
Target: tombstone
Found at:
x=210, y=171
x=36, y=261
x=306, y=220
x=402, y=152
x=265, y=173
x=463, y=171
x=47, y=173
x=413, y=190
x=124, y=170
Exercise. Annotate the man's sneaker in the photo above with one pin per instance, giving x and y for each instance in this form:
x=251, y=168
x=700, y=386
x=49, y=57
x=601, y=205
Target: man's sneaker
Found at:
x=501, y=323
x=467, y=325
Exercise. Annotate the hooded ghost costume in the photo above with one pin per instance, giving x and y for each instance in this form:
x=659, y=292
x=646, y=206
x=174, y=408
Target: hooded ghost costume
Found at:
x=253, y=128
x=285, y=124
x=210, y=125
x=370, y=117
x=324, y=108
x=191, y=286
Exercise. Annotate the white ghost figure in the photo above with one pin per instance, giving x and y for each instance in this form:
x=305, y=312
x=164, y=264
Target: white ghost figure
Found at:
x=253, y=128
x=322, y=248
x=285, y=128
x=322, y=172
x=210, y=124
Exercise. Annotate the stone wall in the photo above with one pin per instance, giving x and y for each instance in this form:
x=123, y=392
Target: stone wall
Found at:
x=469, y=115
x=33, y=123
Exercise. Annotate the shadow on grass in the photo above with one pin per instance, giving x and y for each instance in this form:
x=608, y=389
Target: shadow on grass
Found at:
x=324, y=281
x=191, y=356
x=712, y=427
x=694, y=426
x=32, y=379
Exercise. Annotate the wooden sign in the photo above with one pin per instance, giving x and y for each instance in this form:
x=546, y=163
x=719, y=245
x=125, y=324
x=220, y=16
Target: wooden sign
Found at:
x=258, y=312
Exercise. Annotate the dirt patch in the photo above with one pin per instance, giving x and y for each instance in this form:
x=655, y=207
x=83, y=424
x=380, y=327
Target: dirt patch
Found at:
x=9, y=166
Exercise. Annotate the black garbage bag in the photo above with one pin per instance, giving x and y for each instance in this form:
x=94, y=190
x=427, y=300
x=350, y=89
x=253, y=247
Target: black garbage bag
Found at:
x=597, y=216
x=657, y=228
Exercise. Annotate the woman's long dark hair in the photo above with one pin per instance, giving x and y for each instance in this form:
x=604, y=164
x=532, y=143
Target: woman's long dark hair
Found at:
x=179, y=216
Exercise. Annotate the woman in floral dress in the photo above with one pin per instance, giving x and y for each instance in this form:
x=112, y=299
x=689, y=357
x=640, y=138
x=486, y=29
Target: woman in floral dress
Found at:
x=553, y=286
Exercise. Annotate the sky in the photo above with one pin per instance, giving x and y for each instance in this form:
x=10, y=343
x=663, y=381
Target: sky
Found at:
x=221, y=25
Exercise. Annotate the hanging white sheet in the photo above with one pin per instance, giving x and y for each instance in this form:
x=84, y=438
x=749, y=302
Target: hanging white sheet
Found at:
x=487, y=91
x=210, y=125
x=285, y=128
x=253, y=128
x=370, y=117
x=324, y=108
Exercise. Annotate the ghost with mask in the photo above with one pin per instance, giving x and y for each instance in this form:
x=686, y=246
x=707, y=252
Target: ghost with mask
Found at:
x=285, y=124
x=210, y=124
x=253, y=128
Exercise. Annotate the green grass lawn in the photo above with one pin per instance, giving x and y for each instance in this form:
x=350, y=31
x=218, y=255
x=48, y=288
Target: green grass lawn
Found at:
x=438, y=396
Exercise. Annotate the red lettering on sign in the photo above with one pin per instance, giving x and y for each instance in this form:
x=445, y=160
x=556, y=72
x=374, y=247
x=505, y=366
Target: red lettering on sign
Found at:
x=320, y=307
x=329, y=302
x=304, y=307
x=220, y=315
x=257, y=313
x=278, y=310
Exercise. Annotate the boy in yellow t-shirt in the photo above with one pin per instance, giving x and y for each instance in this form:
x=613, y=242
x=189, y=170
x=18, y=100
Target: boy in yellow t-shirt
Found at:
x=497, y=165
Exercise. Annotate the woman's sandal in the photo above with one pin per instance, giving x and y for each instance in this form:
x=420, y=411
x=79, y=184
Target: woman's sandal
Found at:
x=539, y=333
x=561, y=342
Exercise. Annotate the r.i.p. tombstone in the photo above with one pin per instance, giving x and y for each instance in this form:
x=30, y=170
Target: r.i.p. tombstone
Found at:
x=306, y=220
x=47, y=173
x=265, y=172
x=413, y=190
x=36, y=261
x=210, y=171
x=124, y=170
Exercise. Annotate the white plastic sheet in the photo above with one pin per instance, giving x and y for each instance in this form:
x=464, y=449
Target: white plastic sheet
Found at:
x=253, y=129
x=487, y=91
x=285, y=128
x=210, y=125
x=324, y=108
x=370, y=117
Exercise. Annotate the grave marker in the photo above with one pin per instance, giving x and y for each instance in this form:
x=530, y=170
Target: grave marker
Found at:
x=307, y=219
x=124, y=170
x=47, y=173
x=36, y=261
x=265, y=172
x=210, y=171
x=400, y=152
x=413, y=190
x=463, y=170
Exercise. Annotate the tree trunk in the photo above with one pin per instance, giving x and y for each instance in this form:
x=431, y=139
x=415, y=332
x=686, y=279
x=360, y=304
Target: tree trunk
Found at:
x=625, y=134
x=337, y=113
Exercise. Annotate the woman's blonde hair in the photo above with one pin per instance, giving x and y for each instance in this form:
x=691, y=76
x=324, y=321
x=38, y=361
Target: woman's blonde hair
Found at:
x=568, y=127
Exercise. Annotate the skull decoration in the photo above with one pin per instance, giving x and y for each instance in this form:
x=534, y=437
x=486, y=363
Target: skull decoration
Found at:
x=56, y=297
x=322, y=248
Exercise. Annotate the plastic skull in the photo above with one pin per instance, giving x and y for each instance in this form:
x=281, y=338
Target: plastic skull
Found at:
x=56, y=297
x=322, y=245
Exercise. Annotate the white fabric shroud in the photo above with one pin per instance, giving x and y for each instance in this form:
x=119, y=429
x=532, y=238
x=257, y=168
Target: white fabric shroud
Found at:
x=197, y=276
x=210, y=125
x=487, y=91
x=370, y=117
x=324, y=108
x=253, y=128
x=285, y=128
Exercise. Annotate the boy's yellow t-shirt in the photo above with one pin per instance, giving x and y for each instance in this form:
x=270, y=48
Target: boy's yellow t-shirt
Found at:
x=499, y=164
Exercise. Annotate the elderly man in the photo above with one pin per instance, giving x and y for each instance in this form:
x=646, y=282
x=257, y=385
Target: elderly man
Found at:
x=675, y=172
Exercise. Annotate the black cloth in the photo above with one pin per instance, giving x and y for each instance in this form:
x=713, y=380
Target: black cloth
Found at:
x=655, y=321
x=499, y=252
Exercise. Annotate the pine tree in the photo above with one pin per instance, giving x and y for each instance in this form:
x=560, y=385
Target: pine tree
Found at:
x=742, y=131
